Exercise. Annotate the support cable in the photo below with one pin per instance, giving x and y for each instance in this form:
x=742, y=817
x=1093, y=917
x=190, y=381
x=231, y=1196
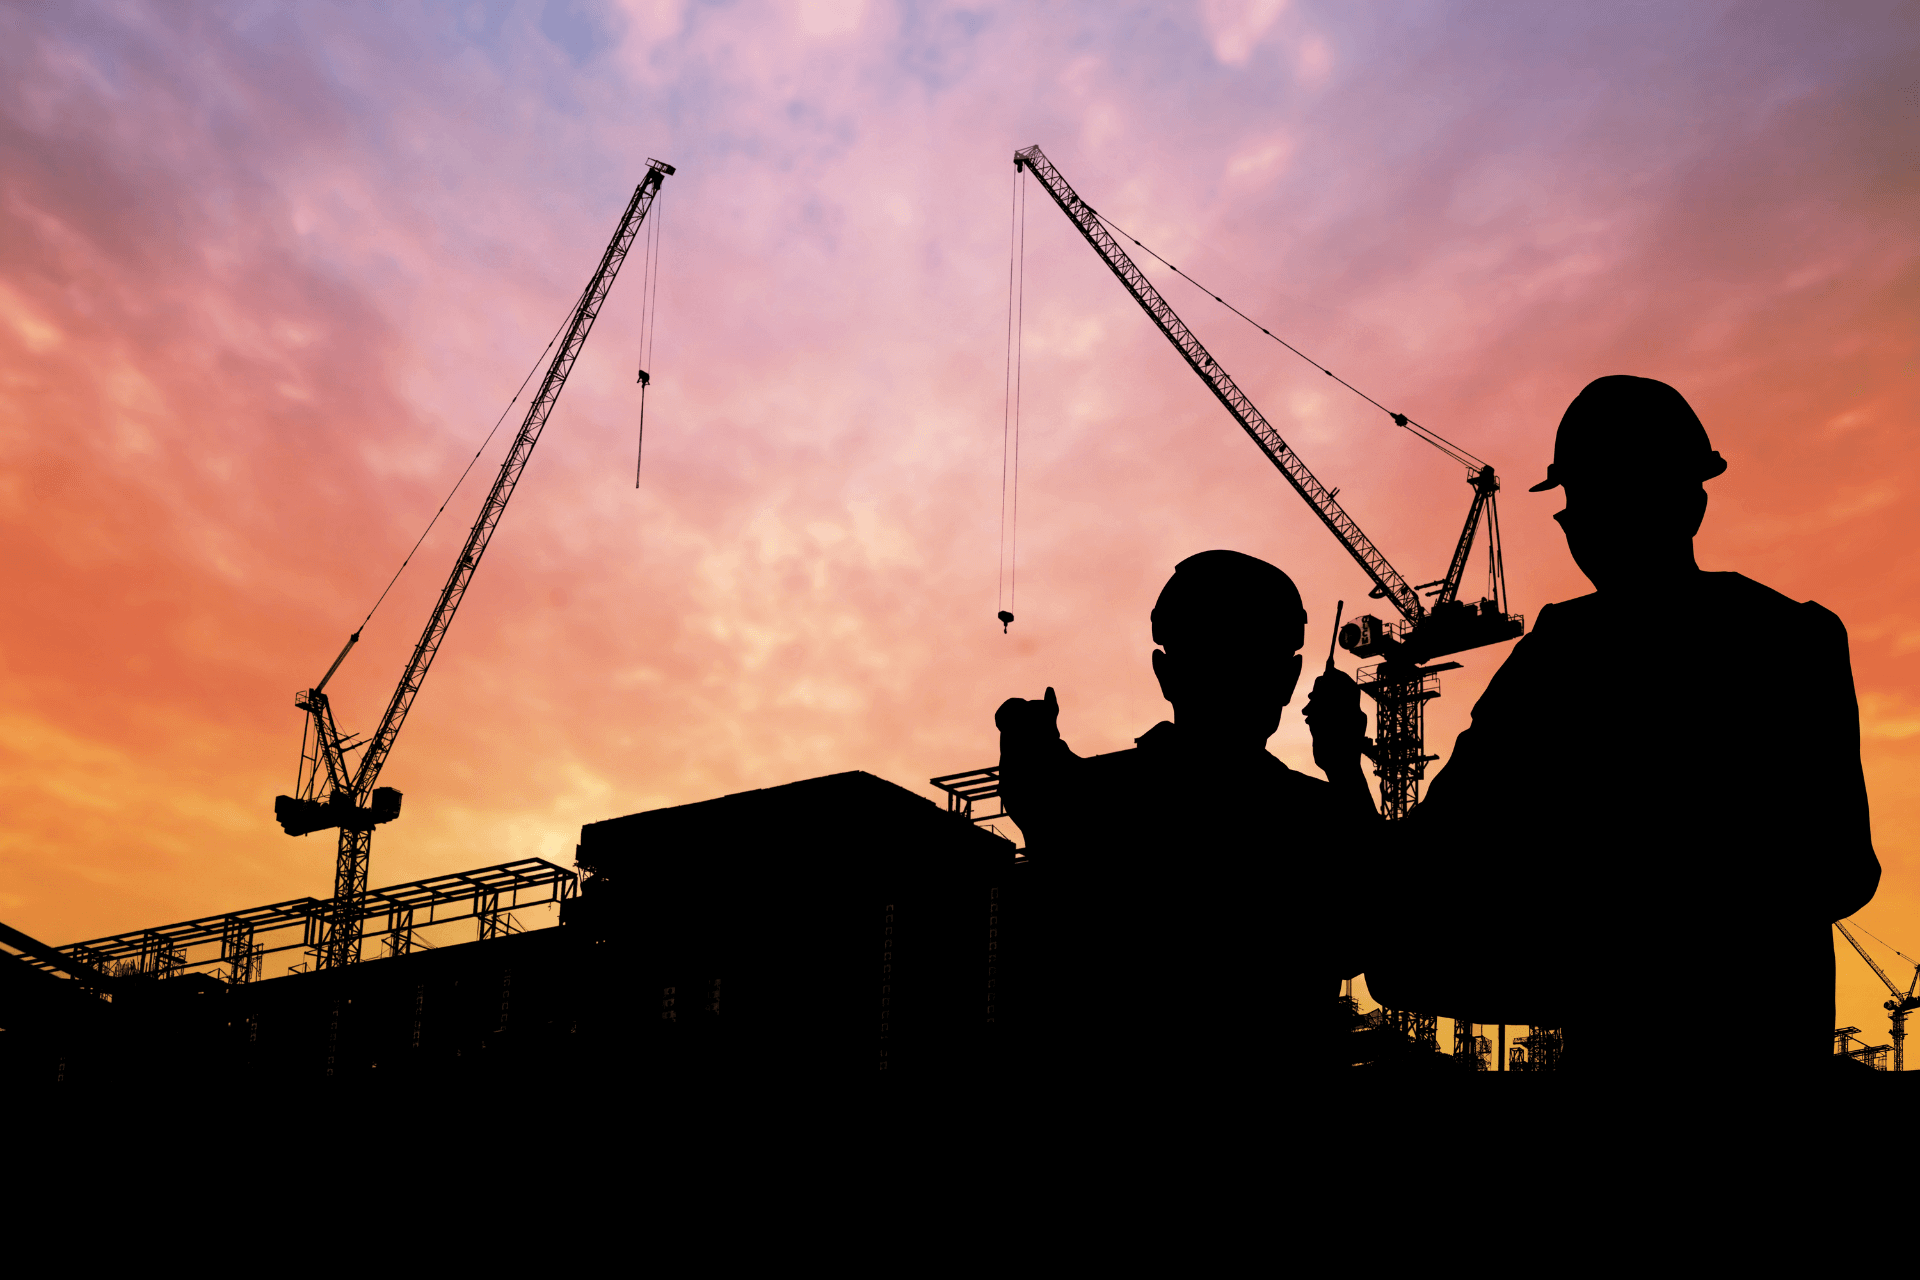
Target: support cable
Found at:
x=463, y=475
x=1883, y=942
x=1434, y=438
x=1010, y=417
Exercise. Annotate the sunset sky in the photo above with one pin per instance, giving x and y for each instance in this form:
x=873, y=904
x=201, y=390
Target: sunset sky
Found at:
x=269, y=271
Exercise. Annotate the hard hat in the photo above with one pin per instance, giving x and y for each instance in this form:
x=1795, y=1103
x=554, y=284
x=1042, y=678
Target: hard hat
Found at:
x=1631, y=426
x=1219, y=591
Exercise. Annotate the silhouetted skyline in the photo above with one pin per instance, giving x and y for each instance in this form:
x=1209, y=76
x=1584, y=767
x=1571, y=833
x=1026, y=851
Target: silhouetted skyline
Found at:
x=263, y=286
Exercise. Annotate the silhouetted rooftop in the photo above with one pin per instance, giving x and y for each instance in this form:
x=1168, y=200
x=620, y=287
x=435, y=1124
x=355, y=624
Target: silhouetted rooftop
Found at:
x=861, y=823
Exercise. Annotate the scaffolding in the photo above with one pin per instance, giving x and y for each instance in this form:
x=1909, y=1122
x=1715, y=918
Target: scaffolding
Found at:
x=965, y=790
x=1847, y=1044
x=1539, y=1051
x=1469, y=1049
x=1422, y=1029
x=233, y=946
x=1400, y=693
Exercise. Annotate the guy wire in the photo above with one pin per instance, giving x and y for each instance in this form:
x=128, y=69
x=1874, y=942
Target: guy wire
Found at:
x=1434, y=438
x=476, y=457
x=1883, y=942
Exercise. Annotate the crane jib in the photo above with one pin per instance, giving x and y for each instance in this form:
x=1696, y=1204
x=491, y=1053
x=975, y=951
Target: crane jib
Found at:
x=538, y=411
x=1392, y=585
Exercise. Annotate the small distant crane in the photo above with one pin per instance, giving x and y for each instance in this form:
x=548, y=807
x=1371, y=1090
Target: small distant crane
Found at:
x=330, y=792
x=1899, y=1007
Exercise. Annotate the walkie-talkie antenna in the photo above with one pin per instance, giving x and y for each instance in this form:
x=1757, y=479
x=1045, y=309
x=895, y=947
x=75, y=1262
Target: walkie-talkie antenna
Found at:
x=1338, y=609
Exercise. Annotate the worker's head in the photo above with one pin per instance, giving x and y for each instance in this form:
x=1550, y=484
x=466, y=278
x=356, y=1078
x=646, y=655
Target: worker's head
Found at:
x=1230, y=629
x=1631, y=455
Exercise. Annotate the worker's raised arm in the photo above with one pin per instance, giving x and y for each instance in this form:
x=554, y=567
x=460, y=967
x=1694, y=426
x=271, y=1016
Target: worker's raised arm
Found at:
x=1035, y=767
x=1339, y=730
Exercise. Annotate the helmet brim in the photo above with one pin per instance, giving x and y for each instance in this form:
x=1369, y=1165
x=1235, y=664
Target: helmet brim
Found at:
x=1713, y=466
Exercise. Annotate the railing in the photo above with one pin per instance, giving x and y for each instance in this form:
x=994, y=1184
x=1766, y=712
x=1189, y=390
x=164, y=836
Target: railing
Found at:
x=964, y=790
x=1429, y=681
x=207, y=944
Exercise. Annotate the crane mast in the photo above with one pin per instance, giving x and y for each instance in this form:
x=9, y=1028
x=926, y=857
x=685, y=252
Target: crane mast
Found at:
x=1399, y=685
x=353, y=802
x=1485, y=485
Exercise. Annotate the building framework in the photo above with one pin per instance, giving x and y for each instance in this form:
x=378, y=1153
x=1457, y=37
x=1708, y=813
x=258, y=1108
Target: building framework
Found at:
x=235, y=945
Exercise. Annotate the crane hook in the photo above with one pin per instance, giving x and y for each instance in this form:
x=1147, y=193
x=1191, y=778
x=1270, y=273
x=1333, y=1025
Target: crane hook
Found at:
x=1006, y=620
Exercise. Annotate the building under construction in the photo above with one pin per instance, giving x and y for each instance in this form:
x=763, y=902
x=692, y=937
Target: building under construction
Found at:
x=829, y=929
x=832, y=928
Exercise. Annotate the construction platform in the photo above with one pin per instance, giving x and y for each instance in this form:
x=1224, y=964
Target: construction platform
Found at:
x=829, y=928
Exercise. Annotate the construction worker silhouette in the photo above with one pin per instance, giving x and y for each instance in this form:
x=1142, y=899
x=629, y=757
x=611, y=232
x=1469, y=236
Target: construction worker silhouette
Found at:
x=1659, y=801
x=1181, y=892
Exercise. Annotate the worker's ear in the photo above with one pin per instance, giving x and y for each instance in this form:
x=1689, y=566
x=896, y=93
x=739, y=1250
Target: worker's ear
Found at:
x=1291, y=674
x=1163, y=669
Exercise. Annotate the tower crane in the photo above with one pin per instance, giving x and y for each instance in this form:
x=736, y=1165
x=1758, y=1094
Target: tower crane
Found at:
x=333, y=793
x=1899, y=1007
x=1405, y=679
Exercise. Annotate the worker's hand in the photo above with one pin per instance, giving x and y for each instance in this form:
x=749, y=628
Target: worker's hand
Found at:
x=1031, y=756
x=1027, y=725
x=1339, y=725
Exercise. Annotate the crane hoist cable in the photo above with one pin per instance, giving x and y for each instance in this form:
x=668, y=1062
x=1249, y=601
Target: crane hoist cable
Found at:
x=649, y=317
x=1010, y=418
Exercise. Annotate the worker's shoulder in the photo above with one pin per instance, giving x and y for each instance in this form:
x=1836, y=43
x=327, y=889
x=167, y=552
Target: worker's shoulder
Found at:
x=1305, y=783
x=1303, y=793
x=1719, y=591
x=1152, y=751
x=1123, y=766
x=1740, y=590
x=1158, y=754
x=1757, y=603
x=1115, y=763
x=1561, y=614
